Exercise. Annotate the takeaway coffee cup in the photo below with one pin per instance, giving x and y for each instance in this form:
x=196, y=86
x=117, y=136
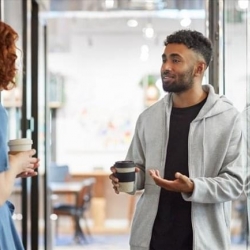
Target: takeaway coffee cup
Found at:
x=18, y=145
x=125, y=172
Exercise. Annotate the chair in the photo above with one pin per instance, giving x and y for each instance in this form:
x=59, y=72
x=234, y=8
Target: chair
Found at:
x=58, y=173
x=78, y=210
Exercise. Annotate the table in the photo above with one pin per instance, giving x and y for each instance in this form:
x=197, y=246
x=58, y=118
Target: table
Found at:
x=65, y=187
x=72, y=187
x=69, y=189
x=100, y=176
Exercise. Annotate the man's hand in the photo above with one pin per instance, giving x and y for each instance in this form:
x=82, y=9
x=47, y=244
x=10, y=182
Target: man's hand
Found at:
x=181, y=184
x=114, y=179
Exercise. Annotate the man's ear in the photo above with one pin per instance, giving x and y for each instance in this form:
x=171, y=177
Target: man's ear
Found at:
x=201, y=67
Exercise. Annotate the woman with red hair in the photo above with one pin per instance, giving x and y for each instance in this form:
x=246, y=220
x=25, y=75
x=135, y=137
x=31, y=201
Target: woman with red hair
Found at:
x=22, y=164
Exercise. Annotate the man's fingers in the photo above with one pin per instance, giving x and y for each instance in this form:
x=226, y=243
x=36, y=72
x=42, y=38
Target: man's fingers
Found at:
x=151, y=172
x=113, y=178
x=157, y=172
x=154, y=173
x=137, y=169
x=181, y=177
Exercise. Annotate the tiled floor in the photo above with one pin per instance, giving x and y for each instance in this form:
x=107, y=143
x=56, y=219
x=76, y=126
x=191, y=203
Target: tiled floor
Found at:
x=97, y=242
x=124, y=247
x=117, y=240
x=116, y=247
x=113, y=242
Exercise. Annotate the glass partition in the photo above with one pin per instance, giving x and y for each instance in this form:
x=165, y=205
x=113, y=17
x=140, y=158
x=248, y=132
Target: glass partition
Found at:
x=26, y=111
x=236, y=88
x=13, y=100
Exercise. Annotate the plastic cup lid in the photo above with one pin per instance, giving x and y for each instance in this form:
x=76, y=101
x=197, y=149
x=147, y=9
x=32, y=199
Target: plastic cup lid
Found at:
x=20, y=141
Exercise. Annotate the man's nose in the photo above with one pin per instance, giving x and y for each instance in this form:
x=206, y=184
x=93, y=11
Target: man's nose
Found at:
x=166, y=66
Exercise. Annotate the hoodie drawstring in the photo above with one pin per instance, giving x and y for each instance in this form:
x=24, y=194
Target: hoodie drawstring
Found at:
x=203, y=147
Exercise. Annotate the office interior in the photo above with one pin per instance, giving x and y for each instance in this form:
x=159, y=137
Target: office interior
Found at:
x=87, y=69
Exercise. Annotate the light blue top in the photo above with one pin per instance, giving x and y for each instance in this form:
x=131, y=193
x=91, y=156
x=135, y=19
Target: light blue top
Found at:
x=9, y=238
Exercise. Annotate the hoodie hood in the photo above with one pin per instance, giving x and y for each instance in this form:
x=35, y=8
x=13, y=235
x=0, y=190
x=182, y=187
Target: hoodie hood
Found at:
x=214, y=105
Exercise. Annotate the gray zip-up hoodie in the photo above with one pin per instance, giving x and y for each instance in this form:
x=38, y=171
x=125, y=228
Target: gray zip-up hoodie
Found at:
x=215, y=166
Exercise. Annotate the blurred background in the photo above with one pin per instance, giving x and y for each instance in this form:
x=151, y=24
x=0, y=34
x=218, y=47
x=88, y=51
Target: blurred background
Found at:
x=87, y=69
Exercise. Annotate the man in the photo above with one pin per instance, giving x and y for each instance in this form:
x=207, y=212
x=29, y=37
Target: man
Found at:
x=192, y=138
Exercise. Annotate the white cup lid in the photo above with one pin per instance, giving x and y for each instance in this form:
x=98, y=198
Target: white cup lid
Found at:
x=20, y=141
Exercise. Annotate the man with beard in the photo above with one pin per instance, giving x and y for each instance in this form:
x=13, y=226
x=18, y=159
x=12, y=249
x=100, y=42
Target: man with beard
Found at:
x=187, y=148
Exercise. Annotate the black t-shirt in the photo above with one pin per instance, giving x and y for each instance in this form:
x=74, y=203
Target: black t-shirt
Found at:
x=172, y=228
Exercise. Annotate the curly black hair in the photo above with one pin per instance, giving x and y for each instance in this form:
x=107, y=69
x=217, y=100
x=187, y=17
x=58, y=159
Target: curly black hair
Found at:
x=193, y=40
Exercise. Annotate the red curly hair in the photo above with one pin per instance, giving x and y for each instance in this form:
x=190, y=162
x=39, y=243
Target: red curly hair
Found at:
x=8, y=56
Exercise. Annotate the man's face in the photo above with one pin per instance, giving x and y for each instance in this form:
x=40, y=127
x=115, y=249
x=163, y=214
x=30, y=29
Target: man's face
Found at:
x=178, y=67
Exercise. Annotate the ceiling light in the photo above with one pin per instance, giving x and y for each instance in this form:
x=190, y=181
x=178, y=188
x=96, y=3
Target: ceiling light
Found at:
x=109, y=4
x=132, y=23
x=243, y=4
x=185, y=19
x=148, y=31
x=185, y=22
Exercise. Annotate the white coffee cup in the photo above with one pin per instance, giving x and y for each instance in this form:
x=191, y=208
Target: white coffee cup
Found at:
x=19, y=145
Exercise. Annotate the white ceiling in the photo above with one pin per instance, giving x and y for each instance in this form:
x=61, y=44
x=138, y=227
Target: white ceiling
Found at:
x=63, y=24
x=103, y=5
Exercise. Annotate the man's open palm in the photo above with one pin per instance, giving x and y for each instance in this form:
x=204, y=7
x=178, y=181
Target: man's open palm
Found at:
x=181, y=184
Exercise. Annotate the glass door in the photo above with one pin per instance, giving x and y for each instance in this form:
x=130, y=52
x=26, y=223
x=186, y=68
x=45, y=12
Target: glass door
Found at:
x=27, y=117
x=236, y=74
x=15, y=101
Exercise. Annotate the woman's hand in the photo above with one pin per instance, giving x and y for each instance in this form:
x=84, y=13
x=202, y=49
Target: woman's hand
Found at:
x=26, y=175
x=32, y=172
x=24, y=163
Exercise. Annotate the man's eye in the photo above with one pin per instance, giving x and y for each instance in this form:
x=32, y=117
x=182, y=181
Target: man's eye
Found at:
x=164, y=60
x=176, y=61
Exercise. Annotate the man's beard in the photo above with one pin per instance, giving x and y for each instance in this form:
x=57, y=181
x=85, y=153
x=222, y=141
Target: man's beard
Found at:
x=182, y=83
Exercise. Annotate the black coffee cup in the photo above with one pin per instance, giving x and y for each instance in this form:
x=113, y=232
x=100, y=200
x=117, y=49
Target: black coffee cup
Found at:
x=125, y=172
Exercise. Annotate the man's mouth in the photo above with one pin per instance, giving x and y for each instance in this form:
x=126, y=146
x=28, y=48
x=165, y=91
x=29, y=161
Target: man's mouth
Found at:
x=167, y=77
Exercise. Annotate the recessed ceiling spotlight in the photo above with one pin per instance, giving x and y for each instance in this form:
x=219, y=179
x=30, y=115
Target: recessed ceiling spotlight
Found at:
x=109, y=4
x=132, y=23
x=243, y=4
x=185, y=22
x=148, y=31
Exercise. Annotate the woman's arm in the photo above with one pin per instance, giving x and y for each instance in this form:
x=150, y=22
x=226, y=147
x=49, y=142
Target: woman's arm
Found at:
x=19, y=164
